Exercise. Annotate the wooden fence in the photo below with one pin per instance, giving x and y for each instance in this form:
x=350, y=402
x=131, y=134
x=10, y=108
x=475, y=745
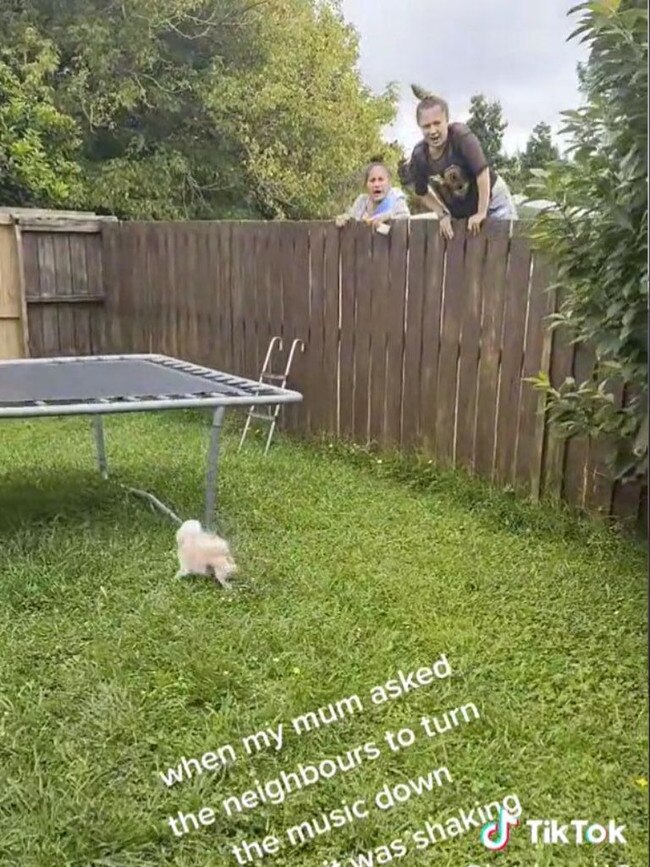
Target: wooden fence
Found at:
x=52, y=266
x=409, y=342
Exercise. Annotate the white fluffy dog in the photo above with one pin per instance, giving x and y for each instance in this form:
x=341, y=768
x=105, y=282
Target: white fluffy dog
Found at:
x=200, y=553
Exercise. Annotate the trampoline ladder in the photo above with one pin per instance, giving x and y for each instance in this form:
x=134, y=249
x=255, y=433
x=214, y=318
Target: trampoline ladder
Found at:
x=278, y=379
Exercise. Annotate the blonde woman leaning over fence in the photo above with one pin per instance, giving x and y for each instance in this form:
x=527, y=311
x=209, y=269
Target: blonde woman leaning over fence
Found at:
x=381, y=202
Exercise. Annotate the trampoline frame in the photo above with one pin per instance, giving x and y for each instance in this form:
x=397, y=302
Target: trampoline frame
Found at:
x=258, y=394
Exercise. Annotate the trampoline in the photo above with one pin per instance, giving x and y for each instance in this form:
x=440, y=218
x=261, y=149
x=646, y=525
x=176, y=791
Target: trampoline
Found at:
x=103, y=384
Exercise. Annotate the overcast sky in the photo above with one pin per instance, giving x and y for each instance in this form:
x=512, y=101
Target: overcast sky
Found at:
x=515, y=51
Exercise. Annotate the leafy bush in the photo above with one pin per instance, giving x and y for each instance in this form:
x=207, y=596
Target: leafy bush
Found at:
x=598, y=237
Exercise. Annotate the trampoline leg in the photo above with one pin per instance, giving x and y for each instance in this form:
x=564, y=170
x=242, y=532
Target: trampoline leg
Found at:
x=213, y=464
x=98, y=424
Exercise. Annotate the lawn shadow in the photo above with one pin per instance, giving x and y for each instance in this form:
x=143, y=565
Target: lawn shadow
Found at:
x=67, y=498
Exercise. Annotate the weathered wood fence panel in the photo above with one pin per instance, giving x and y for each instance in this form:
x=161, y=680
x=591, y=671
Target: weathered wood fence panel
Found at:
x=63, y=286
x=409, y=341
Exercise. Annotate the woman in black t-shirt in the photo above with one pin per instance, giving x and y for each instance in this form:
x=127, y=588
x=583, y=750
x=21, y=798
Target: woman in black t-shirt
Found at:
x=451, y=175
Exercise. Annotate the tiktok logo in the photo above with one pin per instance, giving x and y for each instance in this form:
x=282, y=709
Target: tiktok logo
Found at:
x=496, y=835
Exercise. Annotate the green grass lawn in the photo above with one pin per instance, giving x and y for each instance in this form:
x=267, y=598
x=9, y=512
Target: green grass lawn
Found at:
x=350, y=569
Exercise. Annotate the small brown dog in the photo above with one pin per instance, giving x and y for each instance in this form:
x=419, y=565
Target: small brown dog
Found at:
x=202, y=553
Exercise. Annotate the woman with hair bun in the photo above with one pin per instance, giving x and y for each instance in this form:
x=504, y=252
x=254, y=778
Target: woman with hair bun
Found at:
x=381, y=202
x=450, y=173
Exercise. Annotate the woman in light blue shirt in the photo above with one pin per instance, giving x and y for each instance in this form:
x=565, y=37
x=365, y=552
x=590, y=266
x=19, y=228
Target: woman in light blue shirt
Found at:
x=381, y=202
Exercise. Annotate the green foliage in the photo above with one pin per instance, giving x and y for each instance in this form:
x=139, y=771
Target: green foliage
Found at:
x=598, y=236
x=305, y=123
x=38, y=143
x=209, y=108
x=510, y=171
x=111, y=670
x=539, y=152
x=487, y=123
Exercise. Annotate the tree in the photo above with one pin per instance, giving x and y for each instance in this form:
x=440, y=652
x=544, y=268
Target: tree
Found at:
x=487, y=123
x=539, y=152
x=38, y=144
x=209, y=108
x=598, y=237
x=305, y=122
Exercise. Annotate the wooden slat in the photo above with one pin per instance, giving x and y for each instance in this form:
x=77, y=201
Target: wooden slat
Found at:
x=264, y=290
x=561, y=366
x=514, y=318
x=430, y=338
x=141, y=288
x=202, y=308
x=494, y=283
x=193, y=317
x=157, y=268
x=22, y=288
x=275, y=252
x=127, y=274
x=379, y=335
x=162, y=272
x=80, y=292
x=153, y=295
x=190, y=295
x=575, y=483
x=115, y=320
x=469, y=351
x=174, y=284
x=453, y=302
x=331, y=329
x=196, y=277
x=348, y=291
x=63, y=278
x=132, y=276
x=300, y=320
x=47, y=286
x=200, y=313
x=290, y=303
x=237, y=290
x=366, y=298
x=184, y=271
x=53, y=225
x=250, y=367
x=396, y=304
x=14, y=337
x=537, y=345
x=215, y=298
x=67, y=298
x=169, y=277
x=286, y=242
x=13, y=213
x=411, y=400
x=32, y=286
x=313, y=359
x=260, y=295
x=178, y=240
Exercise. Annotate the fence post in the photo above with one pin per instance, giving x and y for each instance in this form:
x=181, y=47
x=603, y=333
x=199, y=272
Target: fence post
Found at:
x=13, y=319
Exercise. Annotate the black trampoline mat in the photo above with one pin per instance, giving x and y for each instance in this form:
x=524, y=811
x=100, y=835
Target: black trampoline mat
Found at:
x=88, y=379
